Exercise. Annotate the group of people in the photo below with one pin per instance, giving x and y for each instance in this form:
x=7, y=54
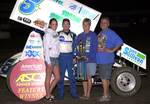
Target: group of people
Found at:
x=59, y=49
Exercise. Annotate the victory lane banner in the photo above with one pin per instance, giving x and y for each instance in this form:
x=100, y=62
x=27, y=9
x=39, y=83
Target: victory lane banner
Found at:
x=37, y=13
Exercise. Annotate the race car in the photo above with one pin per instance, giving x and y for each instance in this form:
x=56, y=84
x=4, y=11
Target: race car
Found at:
x=126, y=74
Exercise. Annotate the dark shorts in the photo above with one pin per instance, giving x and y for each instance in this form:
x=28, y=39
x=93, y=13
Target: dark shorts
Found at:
x=105, y=70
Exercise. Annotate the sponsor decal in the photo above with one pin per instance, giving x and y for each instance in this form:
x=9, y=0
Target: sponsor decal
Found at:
x=26, y=79
x=133, y=55
x=25, y=20
x=26, y=67
x=34, y=42
x=29, y=6
x=31, y=46
x=77, y=8
x=19, y=18
x=32, y=53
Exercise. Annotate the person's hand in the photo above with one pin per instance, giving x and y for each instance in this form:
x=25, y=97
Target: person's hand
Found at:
x=81, y=58
x=77, y=58
x=86, y=59
x=74, y=60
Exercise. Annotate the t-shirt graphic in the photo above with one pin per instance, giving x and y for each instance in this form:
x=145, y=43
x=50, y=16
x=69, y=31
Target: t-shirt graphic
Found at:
x=87, y=44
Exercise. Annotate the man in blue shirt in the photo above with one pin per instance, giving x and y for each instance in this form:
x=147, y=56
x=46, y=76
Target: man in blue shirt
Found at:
x=108, y=43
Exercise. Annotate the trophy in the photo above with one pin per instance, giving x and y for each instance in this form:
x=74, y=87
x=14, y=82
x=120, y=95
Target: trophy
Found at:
x=81, y=65
x=101, y=41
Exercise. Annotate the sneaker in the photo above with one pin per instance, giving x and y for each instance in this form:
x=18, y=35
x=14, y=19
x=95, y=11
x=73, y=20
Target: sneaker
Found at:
x=105, y=98
x=51, y=99
x=52, y=96
x=84, y=98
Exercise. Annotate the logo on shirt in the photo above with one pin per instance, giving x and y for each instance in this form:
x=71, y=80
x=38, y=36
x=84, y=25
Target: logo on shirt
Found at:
x=88, y=44
x=61, y=38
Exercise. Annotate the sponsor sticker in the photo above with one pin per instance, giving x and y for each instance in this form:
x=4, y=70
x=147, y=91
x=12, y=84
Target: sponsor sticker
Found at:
x=26, y=79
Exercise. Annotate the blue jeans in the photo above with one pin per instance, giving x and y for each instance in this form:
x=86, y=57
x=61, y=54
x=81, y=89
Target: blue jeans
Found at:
x=65, y=62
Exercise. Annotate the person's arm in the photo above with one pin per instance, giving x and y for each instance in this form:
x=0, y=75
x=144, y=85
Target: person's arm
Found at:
x=117, y=41
x=112, y=49
x=76, y=53
x=94, y=45
x=46, y=48
x=74, y=44
x=95, y=42
x=77, y=40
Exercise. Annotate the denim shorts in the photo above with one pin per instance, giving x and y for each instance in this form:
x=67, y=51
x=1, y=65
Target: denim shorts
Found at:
x=91, y=69
x=54, y=62
x=105, y=70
